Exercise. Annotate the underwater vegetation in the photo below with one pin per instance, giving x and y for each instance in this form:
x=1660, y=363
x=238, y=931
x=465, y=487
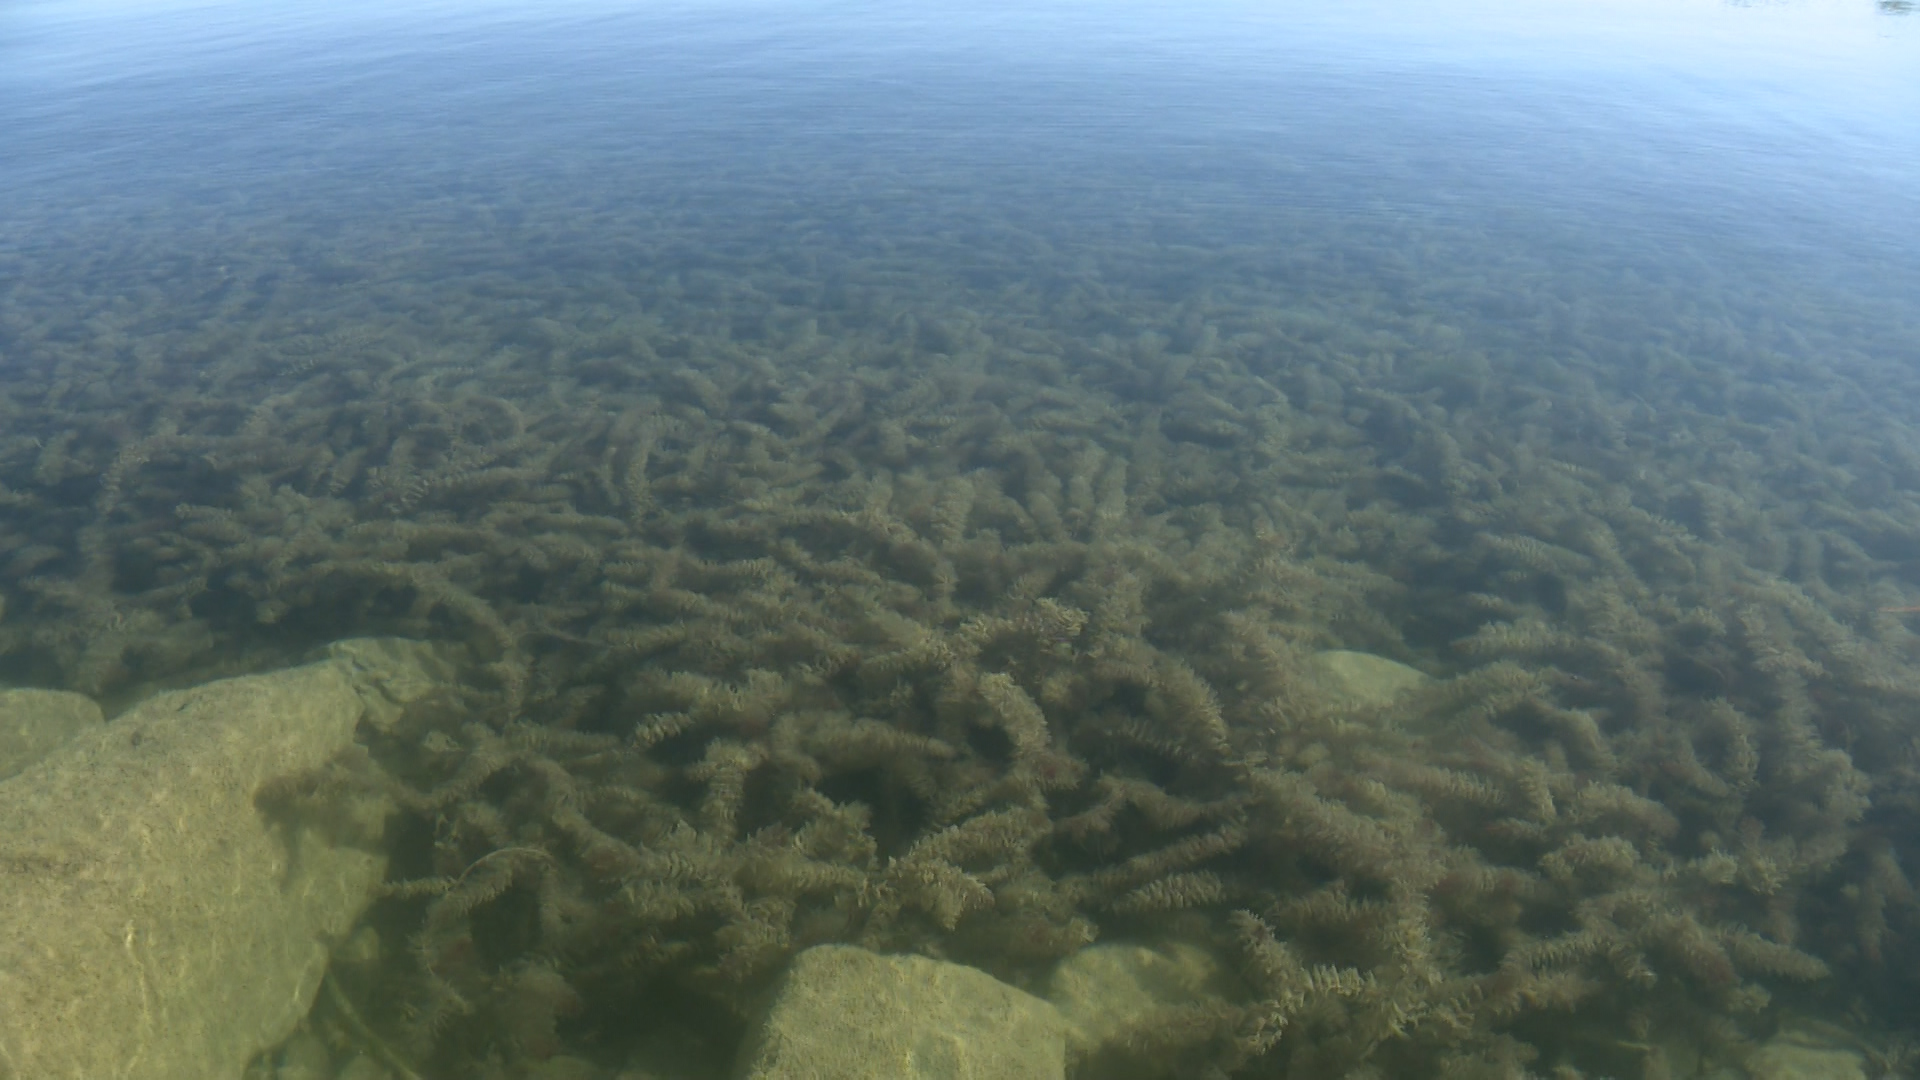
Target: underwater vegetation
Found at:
x=806, y=606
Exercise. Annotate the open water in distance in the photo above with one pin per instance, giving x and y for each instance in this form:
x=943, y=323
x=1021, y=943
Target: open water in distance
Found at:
x=1665, y=252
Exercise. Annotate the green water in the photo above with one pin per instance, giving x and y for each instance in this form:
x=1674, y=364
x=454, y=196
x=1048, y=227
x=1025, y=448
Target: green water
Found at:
x=896, y=476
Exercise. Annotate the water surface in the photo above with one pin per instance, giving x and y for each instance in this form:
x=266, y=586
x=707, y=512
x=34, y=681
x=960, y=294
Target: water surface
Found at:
x=861, y=362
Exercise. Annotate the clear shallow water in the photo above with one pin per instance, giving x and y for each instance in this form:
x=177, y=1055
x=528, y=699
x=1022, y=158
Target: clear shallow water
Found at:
x=1494, y=322
x=1783, y=124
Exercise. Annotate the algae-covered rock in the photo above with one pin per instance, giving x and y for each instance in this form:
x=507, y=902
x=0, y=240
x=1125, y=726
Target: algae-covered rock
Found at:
x=855, y=1015
x=388, y=673
x=304, y=1057
x=565, y=1068
x=1794, y=1054
x=156, y=920
x=35, y=723
x=1106, y=992
x=1364, y=679
x=361, y=1068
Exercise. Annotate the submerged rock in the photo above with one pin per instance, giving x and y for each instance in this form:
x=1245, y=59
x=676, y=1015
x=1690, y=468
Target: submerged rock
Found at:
x=1108, y=993
x=155, y=919
x=35, y=723
x=851, y=1014
x=1365, y=680
x=1794, y=1054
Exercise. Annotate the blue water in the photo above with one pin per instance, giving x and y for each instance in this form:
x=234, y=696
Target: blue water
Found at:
x=1784, y=126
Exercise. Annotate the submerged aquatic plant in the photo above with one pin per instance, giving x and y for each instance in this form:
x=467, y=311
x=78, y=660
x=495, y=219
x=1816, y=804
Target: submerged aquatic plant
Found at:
x=985, y=627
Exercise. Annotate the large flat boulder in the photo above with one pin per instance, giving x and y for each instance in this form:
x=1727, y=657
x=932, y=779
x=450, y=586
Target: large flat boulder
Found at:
x=35, y=723
x=156, y=920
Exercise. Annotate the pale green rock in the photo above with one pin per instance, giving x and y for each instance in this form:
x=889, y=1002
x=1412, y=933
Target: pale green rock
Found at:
x=1798, y=1055
x=363, y=1067
x=1365, y=680
x=1107, y=992
x=565, y=1068
x=35, y=723
x=304, y=1057
x=850, y=1014
x=388, y=673
x=155, y=922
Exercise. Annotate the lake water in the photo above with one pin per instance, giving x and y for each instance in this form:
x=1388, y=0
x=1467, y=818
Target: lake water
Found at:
x=920, y=473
